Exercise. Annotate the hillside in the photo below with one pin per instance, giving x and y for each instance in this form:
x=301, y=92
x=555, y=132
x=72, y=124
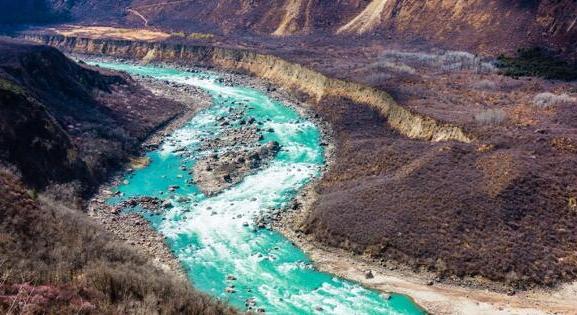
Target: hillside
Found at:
x=54, y=260
x=63, y=128
x=63, y=122
x=482, y=25
x=495, y=202
x=450, y=163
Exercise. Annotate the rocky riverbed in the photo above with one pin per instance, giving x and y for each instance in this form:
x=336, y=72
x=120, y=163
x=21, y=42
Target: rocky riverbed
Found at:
x=217, y=172
x=236, y=132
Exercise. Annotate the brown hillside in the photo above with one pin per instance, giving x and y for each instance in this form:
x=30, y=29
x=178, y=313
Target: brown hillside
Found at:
x=482, y=25
x=63, y=122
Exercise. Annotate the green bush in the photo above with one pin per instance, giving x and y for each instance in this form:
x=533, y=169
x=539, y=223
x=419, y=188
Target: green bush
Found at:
x=537, y=62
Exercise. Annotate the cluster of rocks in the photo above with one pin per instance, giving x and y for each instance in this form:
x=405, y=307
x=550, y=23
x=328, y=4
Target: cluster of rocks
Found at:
x=216, y=172
x=152, y=204
x=227, y=81
x=244, y=136
x=135, y=230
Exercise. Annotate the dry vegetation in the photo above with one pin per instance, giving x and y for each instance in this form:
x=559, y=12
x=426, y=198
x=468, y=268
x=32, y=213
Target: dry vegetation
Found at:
x=63, y=128
x=192, y=36
x=111, y=32
x=495, y=213
x=448, y=61
x=54, y=260
x=64, y=122
x=546, y=100
x=499, y=209
x=491, y=117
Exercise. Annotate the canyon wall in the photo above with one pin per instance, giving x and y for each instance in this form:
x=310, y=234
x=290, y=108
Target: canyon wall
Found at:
x=275, y=69
x=487, y=26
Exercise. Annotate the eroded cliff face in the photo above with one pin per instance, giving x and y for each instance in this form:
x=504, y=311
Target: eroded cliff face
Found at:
x=488, y=26
x=275, y=69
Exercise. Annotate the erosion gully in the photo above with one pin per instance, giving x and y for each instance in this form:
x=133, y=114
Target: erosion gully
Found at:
x=215, y=239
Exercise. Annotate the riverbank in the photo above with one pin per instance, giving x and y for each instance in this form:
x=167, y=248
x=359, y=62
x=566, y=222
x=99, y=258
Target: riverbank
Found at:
x=435, y=297
x=405, y=199
x=133, y=229
x=212, y=237
x=438, y=298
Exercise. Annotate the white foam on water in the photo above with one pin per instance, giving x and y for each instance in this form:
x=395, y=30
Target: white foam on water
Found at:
x=224, y=243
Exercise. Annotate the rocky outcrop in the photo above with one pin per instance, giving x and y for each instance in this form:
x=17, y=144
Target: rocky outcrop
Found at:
x=275, y=69
x=215, y=173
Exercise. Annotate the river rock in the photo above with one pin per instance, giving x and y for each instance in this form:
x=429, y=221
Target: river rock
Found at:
x=369, y=274
x=215, y=174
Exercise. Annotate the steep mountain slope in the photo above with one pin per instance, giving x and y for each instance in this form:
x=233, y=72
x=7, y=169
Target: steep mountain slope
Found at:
x=64, y=122
x=54, y=260
x=484, y=25
x=63, y=127
x=369, y=19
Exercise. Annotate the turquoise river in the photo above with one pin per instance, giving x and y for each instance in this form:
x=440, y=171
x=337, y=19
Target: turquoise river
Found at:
x=209, y=235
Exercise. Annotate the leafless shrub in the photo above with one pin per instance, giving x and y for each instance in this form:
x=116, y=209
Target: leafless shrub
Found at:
x=67, y=193
x=485, y=85
x=491, y=117
x=377, y=78
x=45, y=243
x=546, y=100
x=450, y=61
x=395, y=67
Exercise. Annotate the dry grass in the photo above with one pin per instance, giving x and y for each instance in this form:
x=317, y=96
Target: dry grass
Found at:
x=546, y=100
x=193, y=36
x=54, y=260
x=377, y=78
x=447, y=62
x=485, y=85
x=500, y=213
x=491, y=117
x=110, y=32
x=397, y=67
